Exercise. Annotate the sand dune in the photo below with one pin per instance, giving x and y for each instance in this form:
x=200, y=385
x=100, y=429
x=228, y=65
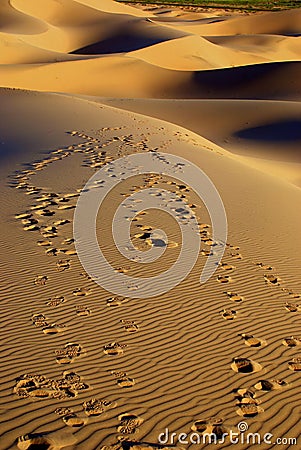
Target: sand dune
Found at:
x=284, y=23
x=84, y=83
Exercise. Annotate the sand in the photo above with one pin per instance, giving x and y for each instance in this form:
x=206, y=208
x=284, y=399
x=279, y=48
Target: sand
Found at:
x=83, y=83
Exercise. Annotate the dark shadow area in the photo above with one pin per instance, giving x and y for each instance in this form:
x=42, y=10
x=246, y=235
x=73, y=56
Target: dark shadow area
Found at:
x=282, y=131
x=123, y=42
x=279, y=80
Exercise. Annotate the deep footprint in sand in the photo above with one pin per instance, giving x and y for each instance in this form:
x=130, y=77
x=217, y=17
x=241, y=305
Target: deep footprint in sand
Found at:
x=40, y=280
x=114, y=349
x=234, y=296
x=252, y=341
x=63, y=264
x=23, y=216
x=245, y=365
x=115, y=301
x=236, y=255
x=228, y=314
x=129, y=423
x=270, y=385
x=96, y=407
x=81, y=292
x=247, y=404
x=55, y=440
x=70, y=418
x=123, y=380
x=40, y=387
x=224, y=279
x=39, y=320
x=226, y=266
x=69, y=353
x=295, y=364
x=68, y=252
x=51, y=251
x=44, y=243
x=55, y=301
x=211, y=425
x=264, y=266
x=249, y=408
x=271, y=279
x=82, y=310
x=291, y=293
x=53, y=328
x=129, y=326
x=292, y=307
x=291, y=341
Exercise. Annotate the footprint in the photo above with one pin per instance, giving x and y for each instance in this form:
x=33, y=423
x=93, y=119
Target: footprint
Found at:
x=23, y=216
x=62, y=222
x=68, y=252
x=70, y=418
x=226, y=266
x=122, y=269
x=224, y=279
x=129, y=423
x=130, y=326
x=228, y=314
x=95, y=406
x=245, y=365
x=29, y=221
x=249, y=408
x=123, y=380
x=271, y=279
x=63, y=264
x=292, y=307
x=291, y=293
x=236, y=255
x=51, y=251
x=45, y=243
x=81, y=292
x=40, y=387
x=270, y=385
x=69, y=353
x=172, y=244
x=49, y=234
x=68, y=241
x=251, y=341
x=54, y=440
x=64, y=207
x=82, y=310
x=264, y=266
x=248, y=405
x=55, y=301
x=114, y=349
x=33, y=227
x=206, y=252
x=39, y=320
x=45, y=212
x=242, y=393
x=211, y=425
x=291, y=341
x=54, y=328
x=234, y=296
x=115, y=301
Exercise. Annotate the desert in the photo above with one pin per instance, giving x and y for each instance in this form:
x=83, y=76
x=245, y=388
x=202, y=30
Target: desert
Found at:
x=150, y=226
